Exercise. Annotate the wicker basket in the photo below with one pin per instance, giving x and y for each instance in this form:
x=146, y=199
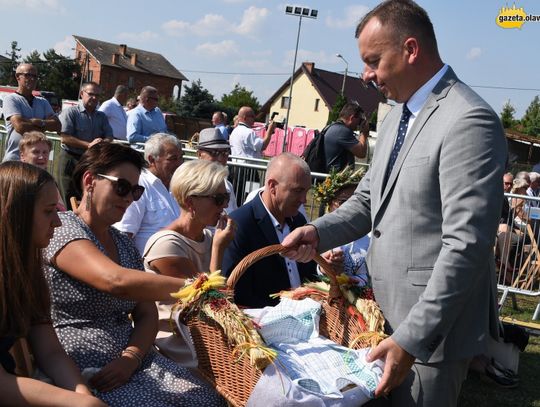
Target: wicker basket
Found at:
x=235, y=379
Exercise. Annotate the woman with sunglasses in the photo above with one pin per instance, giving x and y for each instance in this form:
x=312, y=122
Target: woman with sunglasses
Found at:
x=187, y=247
x=94, y=272
x=28, y=197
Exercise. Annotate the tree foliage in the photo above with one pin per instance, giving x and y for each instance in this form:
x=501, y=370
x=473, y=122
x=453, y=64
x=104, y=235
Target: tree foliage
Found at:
x=531, y=119
x=239, y=97
x=7, y=70
x=56, y=73
x=197, y=102
x=334, y=113
x=507, y=115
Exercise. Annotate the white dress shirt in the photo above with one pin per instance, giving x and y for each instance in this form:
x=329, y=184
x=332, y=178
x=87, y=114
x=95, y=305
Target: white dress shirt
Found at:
x=117, y=117
x=281, y=232
x=245, y=143
x=153, y=211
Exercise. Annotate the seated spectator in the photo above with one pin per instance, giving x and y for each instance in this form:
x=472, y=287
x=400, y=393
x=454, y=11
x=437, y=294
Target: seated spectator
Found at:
x=186, y=247
x=512, y=229
x=102, y=302
x=264, y=221
x=35, y=149
x=156, y=208
x=28, y=197
x=351, y=257
x=212, y=147
x=534, y=188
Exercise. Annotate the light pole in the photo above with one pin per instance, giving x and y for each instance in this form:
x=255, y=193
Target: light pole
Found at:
x=298, y=12
x=345, y=75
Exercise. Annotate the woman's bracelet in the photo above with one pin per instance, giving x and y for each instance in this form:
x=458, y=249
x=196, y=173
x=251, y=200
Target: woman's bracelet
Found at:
x=135, y=355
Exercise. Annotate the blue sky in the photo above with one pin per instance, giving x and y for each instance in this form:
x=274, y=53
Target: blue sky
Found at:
x=252, y=42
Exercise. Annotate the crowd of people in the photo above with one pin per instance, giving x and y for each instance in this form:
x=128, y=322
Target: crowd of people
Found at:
x=90, y=287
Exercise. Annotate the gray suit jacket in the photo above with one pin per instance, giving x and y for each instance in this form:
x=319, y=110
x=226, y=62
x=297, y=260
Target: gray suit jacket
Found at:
x=434, y=225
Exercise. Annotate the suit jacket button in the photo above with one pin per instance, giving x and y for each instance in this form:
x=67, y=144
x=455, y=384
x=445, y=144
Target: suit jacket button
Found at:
x=377, y=233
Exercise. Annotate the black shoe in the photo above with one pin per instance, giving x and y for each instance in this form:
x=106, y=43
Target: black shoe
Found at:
x=500, y=378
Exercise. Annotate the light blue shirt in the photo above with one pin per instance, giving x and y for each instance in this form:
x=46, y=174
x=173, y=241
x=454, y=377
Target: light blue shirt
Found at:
x=223, y=130
x=142, y=123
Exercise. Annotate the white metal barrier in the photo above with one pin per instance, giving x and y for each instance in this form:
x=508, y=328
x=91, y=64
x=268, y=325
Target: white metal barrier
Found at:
x=517, y=250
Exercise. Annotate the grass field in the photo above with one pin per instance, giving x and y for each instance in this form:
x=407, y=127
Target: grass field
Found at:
x=477, y=392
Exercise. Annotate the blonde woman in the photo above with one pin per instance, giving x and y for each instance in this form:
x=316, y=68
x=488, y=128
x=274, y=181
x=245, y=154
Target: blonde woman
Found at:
x=186, y=247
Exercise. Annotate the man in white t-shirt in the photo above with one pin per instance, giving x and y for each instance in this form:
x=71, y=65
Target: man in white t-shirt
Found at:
x=114, y=110
x=156, y=208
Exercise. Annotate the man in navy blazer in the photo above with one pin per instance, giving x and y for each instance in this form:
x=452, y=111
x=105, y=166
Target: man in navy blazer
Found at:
x=264, y=221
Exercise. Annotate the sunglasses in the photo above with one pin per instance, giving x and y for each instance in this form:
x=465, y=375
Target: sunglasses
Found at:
x=122, y=187
x=217, y=153
x=219, y=199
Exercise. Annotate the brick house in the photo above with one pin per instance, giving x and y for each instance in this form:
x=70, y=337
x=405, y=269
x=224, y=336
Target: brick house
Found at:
x=111, y=65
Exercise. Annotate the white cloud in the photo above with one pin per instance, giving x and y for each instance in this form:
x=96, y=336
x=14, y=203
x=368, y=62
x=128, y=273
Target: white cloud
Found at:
x=251, y=20
x=65, y=47
x=474, y=53
x=219, y=49
x=53, y=6
x=143, y=36
x=176, y=28
x=210, y=24
x=351, y=17
x=216, y=24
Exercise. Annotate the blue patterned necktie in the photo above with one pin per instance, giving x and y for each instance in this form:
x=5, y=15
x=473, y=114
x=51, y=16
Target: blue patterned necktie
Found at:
x=403, y=124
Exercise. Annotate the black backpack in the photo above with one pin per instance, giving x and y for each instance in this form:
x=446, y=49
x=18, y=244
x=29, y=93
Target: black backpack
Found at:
x=314, y=154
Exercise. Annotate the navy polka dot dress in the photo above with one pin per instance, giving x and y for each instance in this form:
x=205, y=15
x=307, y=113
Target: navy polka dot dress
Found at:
x=94, y=328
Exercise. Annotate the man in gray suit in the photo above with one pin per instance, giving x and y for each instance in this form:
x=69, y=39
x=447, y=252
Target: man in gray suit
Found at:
x=432, y=199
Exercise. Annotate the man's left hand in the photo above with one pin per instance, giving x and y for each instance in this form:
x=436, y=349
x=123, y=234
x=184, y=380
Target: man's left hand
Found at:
x=398, y=363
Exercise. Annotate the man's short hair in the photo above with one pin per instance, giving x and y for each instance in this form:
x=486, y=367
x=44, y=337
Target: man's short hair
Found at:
x=351, y=109
x=292, y=159
x=534, y=176
x=406, y=19
x=91, y=83
x=120, y=90
x=154, y=145
x=219, y=115
x=31, y=138
x=146, y=90
x=20, y=66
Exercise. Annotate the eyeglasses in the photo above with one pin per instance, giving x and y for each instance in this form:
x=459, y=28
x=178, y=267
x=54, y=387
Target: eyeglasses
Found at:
x=219, y=199
x=508, y=183
x=123, y=187
x=217, y=153
x=94, y=95
x=155, y=99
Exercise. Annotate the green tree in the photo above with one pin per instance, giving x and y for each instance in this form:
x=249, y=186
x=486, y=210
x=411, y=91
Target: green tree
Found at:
x=7, y=70
x=334, y=113
x=197, y=102
x=531, y=119
x=507, y=115
x=239, y=97
x=63, y=75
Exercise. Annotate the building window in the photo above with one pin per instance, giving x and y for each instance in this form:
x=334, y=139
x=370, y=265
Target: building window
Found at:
x=79, y=55
x=90, y=76
x=284, y=102
x=317, y=104
x=131, y=82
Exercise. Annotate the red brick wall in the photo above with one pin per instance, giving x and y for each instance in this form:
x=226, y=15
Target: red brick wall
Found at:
x=110, y=77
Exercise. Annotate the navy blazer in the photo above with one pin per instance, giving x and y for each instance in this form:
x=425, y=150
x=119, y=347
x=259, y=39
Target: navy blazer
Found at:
x=269, y=275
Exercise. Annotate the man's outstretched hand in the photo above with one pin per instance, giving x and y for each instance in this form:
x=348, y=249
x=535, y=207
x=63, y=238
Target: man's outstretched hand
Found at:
x=302, y=243
x=398, y=363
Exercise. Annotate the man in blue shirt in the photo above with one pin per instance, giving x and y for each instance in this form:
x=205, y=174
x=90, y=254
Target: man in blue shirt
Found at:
x=146, y=119
x=218, y=120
